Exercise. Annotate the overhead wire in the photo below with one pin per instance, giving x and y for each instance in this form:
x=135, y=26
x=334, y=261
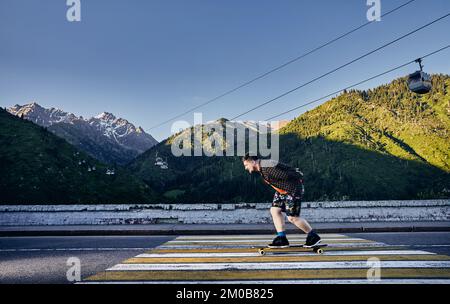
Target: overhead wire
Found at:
x=277, y=68
x=342, y=66
x=357, y=84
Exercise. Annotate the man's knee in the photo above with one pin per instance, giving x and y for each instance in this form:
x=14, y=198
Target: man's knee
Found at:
x=292, y=219
x=275, y=210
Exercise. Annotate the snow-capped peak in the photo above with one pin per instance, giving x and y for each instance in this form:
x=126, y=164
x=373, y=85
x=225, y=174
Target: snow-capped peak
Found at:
x=105, y=128
x=106, y=116
x=42, y=116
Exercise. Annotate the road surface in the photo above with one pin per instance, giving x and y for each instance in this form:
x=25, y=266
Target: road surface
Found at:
x=416, y=257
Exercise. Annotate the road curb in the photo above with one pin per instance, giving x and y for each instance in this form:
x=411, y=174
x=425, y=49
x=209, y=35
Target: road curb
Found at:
x=141, y=232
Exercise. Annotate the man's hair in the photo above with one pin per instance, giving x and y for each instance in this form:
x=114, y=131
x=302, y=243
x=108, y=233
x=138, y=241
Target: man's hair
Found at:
x=249, y=157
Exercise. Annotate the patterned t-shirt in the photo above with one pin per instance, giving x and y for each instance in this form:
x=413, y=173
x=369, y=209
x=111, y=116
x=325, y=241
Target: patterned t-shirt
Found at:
x=283, y=178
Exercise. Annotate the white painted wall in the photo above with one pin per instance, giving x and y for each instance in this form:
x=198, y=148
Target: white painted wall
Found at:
x=318, y=212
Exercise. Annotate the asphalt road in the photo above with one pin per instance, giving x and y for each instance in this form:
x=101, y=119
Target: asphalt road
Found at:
x=44, y=259
x=436, y=242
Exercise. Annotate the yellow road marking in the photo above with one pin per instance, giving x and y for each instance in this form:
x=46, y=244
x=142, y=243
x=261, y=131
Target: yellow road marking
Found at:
x=266, y=274
x=286, y=259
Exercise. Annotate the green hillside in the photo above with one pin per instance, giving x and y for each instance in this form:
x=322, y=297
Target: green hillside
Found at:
x=38, y=167
x=386, y=143
x=197, y=179
x=383, y=143
x=389, y=119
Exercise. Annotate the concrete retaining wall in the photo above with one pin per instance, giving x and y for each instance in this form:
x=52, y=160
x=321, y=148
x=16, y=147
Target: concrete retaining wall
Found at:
x=318, y=212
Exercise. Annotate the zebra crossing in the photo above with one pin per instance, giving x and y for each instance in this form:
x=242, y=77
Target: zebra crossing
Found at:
x=235, y=260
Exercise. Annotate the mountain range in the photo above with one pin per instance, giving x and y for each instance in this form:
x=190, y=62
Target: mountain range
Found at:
x=383, y=143
x=38, y=167
x=379, y=144
x=107, y=138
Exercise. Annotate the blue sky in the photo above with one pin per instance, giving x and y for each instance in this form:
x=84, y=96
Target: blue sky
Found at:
x=147, y=60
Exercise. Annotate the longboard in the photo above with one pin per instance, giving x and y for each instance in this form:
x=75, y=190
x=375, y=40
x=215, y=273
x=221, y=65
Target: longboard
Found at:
x=317, y=249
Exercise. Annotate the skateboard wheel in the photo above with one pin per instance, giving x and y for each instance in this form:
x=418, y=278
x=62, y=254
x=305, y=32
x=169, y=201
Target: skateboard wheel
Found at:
x=261, y=252
x=319, y=251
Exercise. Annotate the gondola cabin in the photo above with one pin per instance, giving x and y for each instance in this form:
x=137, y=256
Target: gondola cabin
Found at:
x=419, y=82
x=159, y=161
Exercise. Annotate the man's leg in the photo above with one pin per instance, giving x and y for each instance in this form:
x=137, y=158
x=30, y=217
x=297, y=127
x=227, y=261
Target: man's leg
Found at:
x=278, y=218
x=293, y=213
x=301, y=223
x=280, y=241
x=312, y=237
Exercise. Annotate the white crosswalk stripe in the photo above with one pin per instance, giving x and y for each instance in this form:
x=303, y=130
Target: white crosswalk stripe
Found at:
x=249, y=254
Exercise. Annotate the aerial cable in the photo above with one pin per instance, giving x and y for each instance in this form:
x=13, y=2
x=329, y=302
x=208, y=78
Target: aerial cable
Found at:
x=247, y=83
x=357, y=84
x=342, y=66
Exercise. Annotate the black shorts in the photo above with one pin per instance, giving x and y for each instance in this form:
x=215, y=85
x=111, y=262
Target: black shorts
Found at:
x=290, y=205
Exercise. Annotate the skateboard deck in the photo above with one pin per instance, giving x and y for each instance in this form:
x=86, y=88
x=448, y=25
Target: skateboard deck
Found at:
x=317, y=249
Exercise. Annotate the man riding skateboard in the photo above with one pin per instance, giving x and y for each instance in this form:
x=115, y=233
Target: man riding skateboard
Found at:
x=289, y=190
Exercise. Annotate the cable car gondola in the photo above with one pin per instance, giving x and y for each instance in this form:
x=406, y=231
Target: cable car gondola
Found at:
x=158, y=160
x=419, y=82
